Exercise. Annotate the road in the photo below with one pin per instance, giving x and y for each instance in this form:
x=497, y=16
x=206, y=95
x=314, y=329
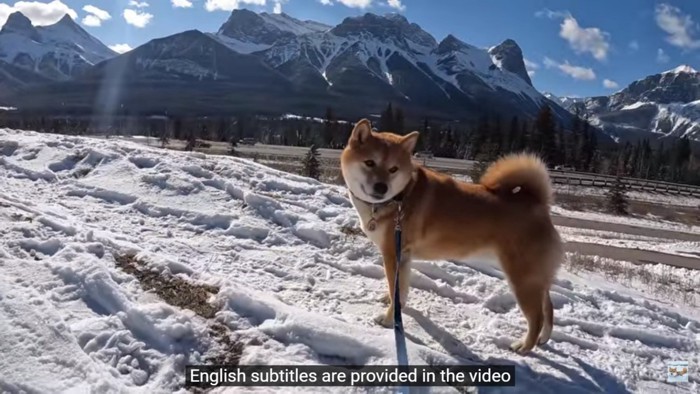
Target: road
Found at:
x=440, y=163
x=636, y=256
x=295, y=151
x=624, y=229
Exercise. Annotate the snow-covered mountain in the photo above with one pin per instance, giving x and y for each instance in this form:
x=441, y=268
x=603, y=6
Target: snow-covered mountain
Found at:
x=667, y=104
x=13, y=79
x=356, y=67
x=389, y=58
x=564, y=101
x=57, y=52
x=246, y=31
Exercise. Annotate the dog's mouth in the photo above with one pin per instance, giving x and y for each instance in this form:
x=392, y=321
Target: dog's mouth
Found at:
x=377, y=197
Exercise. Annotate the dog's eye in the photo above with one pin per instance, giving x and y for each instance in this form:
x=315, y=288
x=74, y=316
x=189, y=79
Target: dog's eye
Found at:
x=369, y=163
x=393, y=169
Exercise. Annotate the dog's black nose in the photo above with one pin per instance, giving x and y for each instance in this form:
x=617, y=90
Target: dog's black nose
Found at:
x=380, y=188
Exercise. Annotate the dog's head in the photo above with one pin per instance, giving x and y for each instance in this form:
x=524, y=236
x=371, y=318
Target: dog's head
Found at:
x=377, y=166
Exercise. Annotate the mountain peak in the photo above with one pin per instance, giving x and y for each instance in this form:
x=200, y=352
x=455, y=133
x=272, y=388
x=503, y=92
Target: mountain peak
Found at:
x=508, y=56
x=67, y=20
x=682, y=69
x=451, y=43
x=388, y=27
x=18, y=23
x=246, y=26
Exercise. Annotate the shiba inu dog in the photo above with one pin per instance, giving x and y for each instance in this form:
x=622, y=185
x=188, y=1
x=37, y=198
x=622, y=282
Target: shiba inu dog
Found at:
x=507, y=212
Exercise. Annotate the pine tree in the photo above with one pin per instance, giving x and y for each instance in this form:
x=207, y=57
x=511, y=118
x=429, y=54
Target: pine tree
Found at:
x=177, y=128
x=222, y=130
x=386, y=120
x=511, y=139
x=680, y=157
x=645, y=166
x=399, y=121
x=495, y=145
x=522, y=140
x=478, y=169
x=546, y=132
x=479, y=138
x=164, y=139
x=312, y=166
x=234, y=145
x=330, y=127
x=191, y=141
x=617, y=198
x=590, y=144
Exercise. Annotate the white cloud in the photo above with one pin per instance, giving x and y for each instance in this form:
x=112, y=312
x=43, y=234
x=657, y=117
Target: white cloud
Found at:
x=361, y=3
x=92, y=21
x=100, y=13
x=277, y=9
x=356, y=3
x=137, y=18
x=682, y=30
x=138, y=4
x=229, y=5
x=41, y=14
x=396, y=4
x=610, y=84
x=531, y=67
x=576, y=72
x=633, y=45
x=581, y=39
x=662, y=57
x=181, y=3
x=547, y=13
x=121, y=48
x=585, y=39
x=95, y=16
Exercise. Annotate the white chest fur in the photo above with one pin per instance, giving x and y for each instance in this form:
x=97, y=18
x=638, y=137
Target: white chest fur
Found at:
x=364, y=212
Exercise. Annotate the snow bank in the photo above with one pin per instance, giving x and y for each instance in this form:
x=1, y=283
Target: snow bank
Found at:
x=294, y=289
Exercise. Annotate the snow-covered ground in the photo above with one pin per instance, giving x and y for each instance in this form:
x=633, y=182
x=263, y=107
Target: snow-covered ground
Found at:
x=294, y=289
x=632, y=221
x=611, y=238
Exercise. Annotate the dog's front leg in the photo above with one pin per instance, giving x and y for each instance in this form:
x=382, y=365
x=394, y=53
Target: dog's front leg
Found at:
x=389, y=257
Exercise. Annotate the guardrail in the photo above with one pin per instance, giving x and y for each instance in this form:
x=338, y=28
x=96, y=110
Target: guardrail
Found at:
x=601, y=180
x=565, y=178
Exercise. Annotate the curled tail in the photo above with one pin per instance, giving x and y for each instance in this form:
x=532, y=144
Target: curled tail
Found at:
x=520, y=177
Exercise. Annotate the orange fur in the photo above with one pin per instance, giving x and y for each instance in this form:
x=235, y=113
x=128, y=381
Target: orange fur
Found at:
x=507, y=212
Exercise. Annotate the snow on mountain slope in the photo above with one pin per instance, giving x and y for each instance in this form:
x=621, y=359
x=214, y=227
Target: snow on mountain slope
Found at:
x=293, y=287
x=457, y=57
x=381, y=46
x=247, y=32
x=287, y=23
x=665, y=104
x=565, y=101
x=58, y=51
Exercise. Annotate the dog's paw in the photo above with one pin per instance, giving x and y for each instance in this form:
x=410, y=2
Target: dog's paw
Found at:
x=385, y=299
x=385, y=320
x=545, y=335
x=520, y=348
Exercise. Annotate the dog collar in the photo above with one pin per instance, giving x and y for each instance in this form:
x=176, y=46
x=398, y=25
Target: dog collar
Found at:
x=375, y=207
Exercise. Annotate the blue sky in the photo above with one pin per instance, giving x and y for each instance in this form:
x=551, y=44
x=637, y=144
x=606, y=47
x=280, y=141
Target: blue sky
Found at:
x=580, y=48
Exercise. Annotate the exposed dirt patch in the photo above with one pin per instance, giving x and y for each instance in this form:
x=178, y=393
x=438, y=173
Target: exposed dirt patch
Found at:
x=181, y=293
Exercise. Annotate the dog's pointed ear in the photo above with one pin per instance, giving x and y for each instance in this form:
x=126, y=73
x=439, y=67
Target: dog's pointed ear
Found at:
x=409, y=141
x=362, y=131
